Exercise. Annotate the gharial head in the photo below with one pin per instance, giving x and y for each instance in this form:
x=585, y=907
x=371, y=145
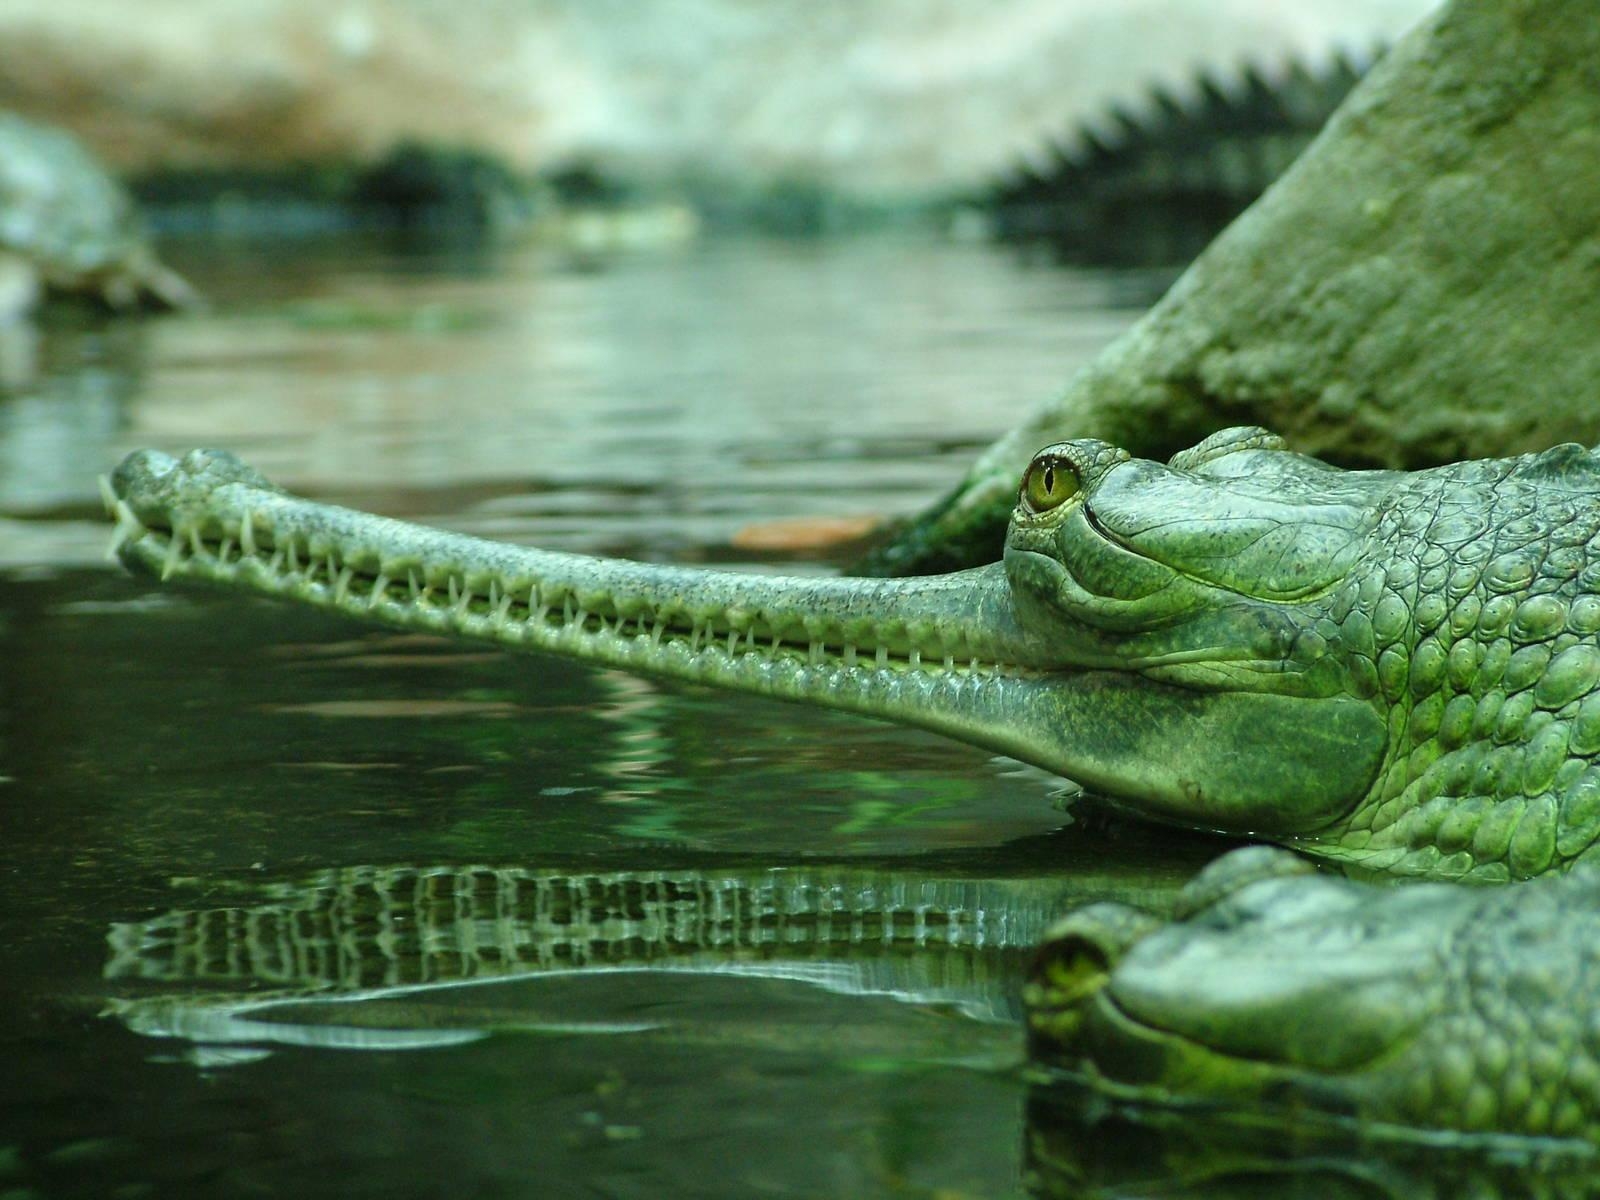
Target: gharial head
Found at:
x=1242, y=639
x=1207, y=562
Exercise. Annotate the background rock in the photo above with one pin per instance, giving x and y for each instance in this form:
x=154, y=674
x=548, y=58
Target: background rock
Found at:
x=883, y=101
x=1422, y=286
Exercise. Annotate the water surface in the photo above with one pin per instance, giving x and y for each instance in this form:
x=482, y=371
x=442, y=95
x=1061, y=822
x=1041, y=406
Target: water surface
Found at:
x=297, y=908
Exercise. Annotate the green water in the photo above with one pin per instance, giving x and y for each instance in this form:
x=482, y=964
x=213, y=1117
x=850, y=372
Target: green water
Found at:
x=295, y=908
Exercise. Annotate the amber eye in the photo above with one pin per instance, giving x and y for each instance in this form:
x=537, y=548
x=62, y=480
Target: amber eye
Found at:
x=1049, y=483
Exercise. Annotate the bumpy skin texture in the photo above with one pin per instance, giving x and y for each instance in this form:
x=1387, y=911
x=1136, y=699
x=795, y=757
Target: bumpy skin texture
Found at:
x=73, y=225
x=1419, y=1011
x=1396, y=671
x=1461, y=603
x=1471, y=620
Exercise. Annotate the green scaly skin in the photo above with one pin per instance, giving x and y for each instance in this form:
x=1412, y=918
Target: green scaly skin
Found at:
x=1429, y=1014
x=1393, y=670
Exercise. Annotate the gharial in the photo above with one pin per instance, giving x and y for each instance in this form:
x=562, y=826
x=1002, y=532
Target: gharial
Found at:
x=1397, y=672
x=1393, y=670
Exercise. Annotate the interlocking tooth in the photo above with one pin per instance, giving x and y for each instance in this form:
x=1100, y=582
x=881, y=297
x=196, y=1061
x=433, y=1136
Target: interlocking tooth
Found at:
x=450, y=589
x=494, y=593
x=276, y=564
x=247, y=533
x=814, y=653
x=915, y=658
x=380, y=590
x=566, y=610
x=128, y=528
x=733, y=642
x=341, y=585
x=333, y=566
x=225, y=549
x=949, y=662
x=197, y=545
x=883, y=656
x=125, y=516
x=174, y=556
x=503, y=608
x=293, y=558
x=849, y=654
x=656, y=631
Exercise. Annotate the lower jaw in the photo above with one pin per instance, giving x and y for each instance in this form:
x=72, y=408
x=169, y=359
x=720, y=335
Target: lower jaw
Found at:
x=906, y=651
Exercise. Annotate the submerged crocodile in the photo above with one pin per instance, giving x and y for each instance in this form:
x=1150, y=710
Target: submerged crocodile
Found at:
x=1396, y=671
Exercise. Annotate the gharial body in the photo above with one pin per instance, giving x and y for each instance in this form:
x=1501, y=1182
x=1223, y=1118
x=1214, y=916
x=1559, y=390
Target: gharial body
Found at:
x=1396, y=672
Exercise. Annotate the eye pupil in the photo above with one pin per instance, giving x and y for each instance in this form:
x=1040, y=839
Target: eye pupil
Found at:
x=1045, y=487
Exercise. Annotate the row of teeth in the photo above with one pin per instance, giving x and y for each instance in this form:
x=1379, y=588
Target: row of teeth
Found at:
x=556, y=610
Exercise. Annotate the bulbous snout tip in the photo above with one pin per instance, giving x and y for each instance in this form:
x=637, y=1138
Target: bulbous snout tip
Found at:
x=153, y=479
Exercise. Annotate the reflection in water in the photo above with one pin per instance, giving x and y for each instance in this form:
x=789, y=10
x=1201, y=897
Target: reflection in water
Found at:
x=1082, y=1147
x=377, y=933
x=642, y=747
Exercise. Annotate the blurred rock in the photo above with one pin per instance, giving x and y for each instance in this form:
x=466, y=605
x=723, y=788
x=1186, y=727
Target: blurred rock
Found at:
x=889, y=101
x=1418, y=288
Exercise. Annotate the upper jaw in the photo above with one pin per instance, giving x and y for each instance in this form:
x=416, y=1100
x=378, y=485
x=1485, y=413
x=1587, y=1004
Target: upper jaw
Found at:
x=197, y=516
x=173, y=512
